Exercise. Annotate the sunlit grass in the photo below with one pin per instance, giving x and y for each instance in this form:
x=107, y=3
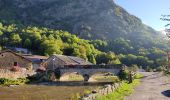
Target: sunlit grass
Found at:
x=119, y=94
x=125, y=90
x=106, y=78
x=139, y=76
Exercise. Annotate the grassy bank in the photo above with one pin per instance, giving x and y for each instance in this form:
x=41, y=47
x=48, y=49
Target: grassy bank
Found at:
x=125, y=90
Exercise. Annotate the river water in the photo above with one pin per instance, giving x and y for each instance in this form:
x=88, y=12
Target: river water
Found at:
x=46, y=91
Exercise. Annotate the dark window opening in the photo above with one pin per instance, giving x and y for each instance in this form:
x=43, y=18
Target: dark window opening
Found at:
x=15, y=63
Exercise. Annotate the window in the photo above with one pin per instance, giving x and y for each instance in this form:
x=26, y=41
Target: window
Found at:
x=15, y=63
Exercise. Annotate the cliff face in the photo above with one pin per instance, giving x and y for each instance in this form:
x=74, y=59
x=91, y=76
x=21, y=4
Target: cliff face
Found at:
x=90, y=19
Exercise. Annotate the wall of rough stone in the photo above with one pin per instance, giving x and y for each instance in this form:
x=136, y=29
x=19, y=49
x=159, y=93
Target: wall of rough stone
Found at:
x=7, y=60
x=107, y=89
x=4, y=73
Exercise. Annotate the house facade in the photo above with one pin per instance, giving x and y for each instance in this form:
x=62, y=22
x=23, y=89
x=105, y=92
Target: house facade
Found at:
x=9, y=59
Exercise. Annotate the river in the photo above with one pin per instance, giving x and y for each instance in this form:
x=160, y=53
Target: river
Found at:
x=45, y=91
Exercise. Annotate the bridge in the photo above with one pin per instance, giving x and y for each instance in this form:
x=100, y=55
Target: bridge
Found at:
x=88, y=71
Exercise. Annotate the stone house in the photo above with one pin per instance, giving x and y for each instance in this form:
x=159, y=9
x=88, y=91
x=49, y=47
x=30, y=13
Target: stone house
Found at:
x=36, y=60
x=61, y=60
x=9, y=59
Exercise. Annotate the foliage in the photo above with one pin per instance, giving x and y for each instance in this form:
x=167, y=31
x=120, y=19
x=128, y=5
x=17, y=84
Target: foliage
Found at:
x=46, y=41
x=107, y=58
x=125, y=90
x=123, y=74
x=138, y=76
x=161, y=68
x=153, y=57
x=167, y=19
x=121, y=33
x=7, y=82
x=134, y=68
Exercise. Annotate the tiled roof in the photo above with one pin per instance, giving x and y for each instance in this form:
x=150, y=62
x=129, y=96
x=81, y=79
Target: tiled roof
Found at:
x=71, y=60
x=66, y=60
x=80, y=60
x=35, y=58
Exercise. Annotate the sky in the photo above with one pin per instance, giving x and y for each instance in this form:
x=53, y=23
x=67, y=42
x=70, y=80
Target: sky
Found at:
x=149, y=11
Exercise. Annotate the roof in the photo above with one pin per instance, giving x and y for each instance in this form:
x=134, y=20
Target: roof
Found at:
x=4, y=51
x=80, y=60
x=71, y=60
x=18, y=49
x=35, y=58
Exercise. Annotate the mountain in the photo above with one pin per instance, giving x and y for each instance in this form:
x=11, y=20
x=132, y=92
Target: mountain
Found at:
x=38, y=23
x=89, y=19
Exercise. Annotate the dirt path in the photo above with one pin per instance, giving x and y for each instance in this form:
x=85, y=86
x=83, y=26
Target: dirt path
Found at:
x=154, y=86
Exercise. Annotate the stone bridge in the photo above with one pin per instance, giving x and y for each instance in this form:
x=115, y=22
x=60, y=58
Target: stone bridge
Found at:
x=88, y=71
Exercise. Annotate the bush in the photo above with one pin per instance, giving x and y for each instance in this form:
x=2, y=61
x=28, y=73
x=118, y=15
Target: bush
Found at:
x=160, y=69
x=134, y=68
x=123, y=74
x=4, y=81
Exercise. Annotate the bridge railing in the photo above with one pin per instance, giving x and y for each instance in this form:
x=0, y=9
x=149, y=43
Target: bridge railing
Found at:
x=93, y=66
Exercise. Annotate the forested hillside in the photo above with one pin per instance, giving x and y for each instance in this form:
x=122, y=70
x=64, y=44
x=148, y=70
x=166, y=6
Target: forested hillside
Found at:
x=108, y=32
x=46, y=41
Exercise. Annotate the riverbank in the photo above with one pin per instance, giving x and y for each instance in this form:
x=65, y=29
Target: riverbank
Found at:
x=41, y=92
x=124, y=90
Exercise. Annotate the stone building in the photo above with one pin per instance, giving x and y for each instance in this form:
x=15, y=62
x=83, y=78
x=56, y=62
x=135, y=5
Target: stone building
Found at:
x=36, y=60
x=60, y=61
x=9, y=59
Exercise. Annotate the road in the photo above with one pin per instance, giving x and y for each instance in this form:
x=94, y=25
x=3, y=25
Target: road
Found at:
x=154, y=86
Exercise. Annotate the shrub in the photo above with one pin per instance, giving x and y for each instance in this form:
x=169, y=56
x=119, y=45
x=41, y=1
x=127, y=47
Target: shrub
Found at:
x=123, y=74
x=4, y=81
x=160, y=69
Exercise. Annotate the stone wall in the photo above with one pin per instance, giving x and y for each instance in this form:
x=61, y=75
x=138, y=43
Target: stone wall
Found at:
x=7, y=60
x=4, y=73
x=107, y=89
x=88, y=71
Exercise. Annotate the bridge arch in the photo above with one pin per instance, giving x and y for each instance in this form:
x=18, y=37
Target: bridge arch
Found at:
x=86, y=77
x=86, y=73
x=71, y=76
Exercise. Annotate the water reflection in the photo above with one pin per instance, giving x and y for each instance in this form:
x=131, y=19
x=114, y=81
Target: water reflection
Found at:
x=74, y=83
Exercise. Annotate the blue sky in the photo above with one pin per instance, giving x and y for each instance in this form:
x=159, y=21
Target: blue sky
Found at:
x=149, y=11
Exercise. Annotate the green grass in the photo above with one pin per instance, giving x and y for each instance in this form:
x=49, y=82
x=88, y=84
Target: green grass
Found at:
x=125, y=90
x=139, y=76
x=106, y=78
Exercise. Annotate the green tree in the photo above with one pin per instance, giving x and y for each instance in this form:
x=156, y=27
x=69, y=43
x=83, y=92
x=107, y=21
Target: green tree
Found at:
x=1, y=33
x=15, y=39
x=27, y=43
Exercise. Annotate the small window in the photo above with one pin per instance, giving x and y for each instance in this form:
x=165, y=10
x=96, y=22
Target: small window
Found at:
x=15, y=63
